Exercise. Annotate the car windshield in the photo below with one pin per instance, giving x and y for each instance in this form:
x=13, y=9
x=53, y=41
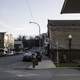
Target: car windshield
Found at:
x=28, y=53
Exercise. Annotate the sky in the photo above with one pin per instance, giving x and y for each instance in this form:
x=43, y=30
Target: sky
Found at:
x=15, y=15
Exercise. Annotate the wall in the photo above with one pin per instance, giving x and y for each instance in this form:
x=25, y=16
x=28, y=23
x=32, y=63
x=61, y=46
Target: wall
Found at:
x=60, y=34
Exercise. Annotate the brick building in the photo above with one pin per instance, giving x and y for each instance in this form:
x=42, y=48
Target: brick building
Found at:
x=59, y=32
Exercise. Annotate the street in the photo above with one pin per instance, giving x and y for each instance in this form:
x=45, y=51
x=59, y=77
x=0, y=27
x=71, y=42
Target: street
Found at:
x=12, y=68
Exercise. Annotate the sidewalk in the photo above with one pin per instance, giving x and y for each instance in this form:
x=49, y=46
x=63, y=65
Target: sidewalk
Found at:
x=45, y=64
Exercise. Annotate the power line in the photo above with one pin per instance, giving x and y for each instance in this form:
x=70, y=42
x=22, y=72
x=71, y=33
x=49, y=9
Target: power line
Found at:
x=29, y=8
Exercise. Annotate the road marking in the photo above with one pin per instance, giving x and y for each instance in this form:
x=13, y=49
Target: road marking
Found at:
x=27, y=75
x=22, y=73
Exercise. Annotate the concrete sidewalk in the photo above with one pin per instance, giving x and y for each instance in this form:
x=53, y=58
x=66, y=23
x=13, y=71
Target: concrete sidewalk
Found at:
x=45, y=64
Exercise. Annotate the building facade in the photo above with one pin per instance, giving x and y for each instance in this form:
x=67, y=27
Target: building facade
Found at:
x=6, y=43
x=64, y=35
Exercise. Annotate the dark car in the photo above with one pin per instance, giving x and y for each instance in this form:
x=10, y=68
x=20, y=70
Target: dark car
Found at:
x=27, y=56
x=38, y=56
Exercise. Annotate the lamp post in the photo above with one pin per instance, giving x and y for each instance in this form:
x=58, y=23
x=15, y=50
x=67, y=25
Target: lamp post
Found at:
x=57, y=52
x=39, y=29
x=70, y=44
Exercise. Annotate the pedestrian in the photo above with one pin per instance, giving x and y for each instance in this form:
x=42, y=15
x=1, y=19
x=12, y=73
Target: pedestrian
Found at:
x=34, y=60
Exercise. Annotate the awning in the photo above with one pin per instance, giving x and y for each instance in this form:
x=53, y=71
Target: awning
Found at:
x=71, y=6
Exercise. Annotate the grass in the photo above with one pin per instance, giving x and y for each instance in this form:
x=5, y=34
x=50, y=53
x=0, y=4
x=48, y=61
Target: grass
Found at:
x=67, y=65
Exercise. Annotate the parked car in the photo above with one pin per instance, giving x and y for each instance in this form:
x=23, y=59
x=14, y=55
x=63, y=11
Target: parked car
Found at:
x=28, y=56
x=38, y=56
x=38, y=53
x=10, y=53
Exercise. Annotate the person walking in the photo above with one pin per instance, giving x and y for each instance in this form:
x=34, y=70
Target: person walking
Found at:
x=34, y=60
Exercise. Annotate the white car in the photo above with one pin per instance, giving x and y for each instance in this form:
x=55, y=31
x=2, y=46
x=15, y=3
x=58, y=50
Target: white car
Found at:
x=10, y=53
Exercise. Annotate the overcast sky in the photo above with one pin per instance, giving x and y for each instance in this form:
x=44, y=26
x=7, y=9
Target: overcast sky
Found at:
x=15, y=15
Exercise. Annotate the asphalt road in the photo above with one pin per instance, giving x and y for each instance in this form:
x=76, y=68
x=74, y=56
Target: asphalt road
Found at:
x=12, y=68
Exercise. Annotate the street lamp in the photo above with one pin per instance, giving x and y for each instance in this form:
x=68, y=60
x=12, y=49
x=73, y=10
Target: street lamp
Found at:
x=70, y=41
x=39, y=29
x=57, y=52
